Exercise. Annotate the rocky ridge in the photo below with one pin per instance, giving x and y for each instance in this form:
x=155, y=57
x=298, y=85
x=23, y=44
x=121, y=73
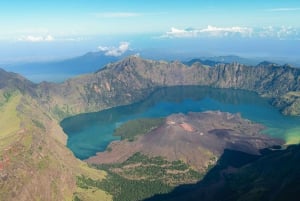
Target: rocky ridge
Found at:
x=134, y=78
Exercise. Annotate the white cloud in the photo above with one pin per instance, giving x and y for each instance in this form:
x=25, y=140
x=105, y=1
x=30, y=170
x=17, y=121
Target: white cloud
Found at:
x=49, y=38
x=225, y=31
x=31, y=38
x=209, y=31
x=181, y=33
x=283, y=9
x=116, y=14
x=115, y=51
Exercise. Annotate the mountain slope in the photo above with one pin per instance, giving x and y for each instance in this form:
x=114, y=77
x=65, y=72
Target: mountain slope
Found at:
x=34, y=161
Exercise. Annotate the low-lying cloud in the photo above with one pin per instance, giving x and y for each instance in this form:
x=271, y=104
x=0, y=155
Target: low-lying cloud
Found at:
x=30, y=38
x=115, y=51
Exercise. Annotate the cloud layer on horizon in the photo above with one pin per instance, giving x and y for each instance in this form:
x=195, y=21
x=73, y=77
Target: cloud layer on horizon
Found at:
x=282, y=33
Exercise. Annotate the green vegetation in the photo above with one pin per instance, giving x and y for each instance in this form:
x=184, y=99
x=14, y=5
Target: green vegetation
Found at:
x=90, y=194
x=38, y=124
x=154, y=169
x=140, y=177
x=43, y=163
x=76, y=198
x=131, y=129
x=5, y=96
x=124, y=189
x=61, y=112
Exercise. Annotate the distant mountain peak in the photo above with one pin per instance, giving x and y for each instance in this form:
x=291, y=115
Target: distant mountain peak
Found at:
x=267, y=63
x=131, y=60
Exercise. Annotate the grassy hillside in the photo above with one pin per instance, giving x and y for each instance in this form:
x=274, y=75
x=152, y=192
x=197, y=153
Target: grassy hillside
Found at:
x=34, y=161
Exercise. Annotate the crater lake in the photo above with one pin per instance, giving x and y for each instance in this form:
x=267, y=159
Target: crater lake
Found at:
x=92, y=132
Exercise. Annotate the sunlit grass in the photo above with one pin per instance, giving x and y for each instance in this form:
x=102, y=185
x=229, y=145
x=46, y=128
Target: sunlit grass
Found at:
x=92, y=172
x=9, y=120
x=92, y=194
x=293, y=136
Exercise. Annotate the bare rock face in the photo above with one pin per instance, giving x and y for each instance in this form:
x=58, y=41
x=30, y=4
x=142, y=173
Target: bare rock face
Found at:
x=198, y=139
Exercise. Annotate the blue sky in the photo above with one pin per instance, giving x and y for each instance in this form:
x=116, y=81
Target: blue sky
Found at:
x=105, y=17
x=110, y=22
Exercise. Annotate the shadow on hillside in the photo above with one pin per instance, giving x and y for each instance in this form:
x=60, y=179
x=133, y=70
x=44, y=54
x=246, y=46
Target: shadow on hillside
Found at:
x=274, y=175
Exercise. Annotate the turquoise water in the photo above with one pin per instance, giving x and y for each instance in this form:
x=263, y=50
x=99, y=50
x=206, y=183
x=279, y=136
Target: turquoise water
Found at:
x=91, y=133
